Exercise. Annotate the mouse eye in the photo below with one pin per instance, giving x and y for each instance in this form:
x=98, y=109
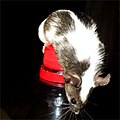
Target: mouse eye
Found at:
x=73, y=101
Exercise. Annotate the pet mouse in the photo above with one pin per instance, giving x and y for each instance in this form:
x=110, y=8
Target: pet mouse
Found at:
x=80, y=53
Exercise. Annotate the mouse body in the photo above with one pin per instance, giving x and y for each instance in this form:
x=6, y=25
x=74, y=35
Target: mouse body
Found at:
x=80, y=53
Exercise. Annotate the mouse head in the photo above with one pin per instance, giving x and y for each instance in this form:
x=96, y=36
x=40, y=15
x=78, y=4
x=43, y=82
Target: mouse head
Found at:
x=76, y=93
x=72, y=88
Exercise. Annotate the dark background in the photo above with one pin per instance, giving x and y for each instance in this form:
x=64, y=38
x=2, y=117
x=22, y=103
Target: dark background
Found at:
x=22, y=53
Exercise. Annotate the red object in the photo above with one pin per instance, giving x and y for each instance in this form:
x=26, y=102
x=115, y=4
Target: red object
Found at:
x=51, y=72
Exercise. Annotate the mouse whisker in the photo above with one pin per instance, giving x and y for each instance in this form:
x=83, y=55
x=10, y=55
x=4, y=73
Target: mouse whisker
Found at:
x=65, y=104
x=46, y=114
x=66, y=115
x=70, y=115
x=88, y=114
x=63, y=108
x=63, y=114
x=81, y=115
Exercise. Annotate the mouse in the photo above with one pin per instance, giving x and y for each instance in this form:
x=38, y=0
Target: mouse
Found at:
x=80, y=53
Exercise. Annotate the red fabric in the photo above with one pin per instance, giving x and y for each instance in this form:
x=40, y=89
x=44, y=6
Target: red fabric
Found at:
x=50, y=60
x=51, y=76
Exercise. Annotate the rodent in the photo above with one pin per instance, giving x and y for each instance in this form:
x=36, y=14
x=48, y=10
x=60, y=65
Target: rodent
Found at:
x=79, y=51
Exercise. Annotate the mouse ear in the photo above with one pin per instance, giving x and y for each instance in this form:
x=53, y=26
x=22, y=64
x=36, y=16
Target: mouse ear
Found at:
x=100, y=81
x=41, y=33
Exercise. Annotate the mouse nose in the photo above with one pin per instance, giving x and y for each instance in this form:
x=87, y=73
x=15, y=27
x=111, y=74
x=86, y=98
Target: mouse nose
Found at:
x=73, y=101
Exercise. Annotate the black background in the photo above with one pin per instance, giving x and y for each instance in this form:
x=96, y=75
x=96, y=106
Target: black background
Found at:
x=22, y=51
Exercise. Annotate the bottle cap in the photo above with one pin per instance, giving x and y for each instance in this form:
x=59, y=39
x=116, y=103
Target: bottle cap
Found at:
x=51, y=72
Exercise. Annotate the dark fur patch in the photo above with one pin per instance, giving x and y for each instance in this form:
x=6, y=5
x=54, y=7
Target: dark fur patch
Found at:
x=62, y=21
x=67, y=58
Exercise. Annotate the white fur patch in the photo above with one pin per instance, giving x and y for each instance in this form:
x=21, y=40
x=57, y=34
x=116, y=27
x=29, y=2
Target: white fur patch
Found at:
x=41, y=32
x=86, y=42
x=83, y=39
x=87, y=83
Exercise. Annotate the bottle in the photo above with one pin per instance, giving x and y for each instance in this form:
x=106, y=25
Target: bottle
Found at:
x=51, y=103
